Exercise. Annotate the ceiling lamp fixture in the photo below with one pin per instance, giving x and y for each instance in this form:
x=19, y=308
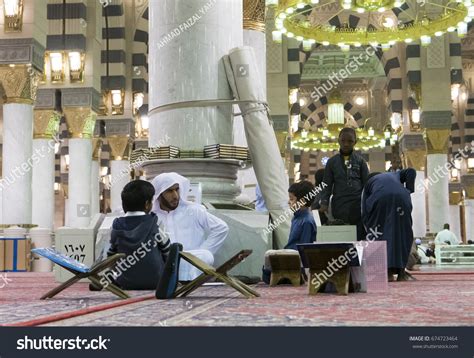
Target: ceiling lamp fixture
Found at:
x=325, y=139
x=13, y=15
x=307, y=21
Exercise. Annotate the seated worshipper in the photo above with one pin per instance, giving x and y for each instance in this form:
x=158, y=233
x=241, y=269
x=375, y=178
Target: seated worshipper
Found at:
x=303, y=226
x=424, y=253
x=136, y=235
x=386, y=214
x=345, y=175
x=446, y=237
x=186, y=222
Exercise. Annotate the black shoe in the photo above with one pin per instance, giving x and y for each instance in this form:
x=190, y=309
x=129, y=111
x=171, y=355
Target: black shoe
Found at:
x=169, y=280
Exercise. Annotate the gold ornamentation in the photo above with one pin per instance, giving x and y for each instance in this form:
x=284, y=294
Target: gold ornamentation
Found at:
x=20, y=83
x=118, y=145
x=415, y=159
x=254, y=15
x=46, y=124
x=468, y=185
x=80, y=121
x=437, y=140
x=96, y=146
x=455, y=198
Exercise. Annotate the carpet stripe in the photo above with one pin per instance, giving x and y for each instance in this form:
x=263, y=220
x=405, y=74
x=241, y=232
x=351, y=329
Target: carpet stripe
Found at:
x=76, y=313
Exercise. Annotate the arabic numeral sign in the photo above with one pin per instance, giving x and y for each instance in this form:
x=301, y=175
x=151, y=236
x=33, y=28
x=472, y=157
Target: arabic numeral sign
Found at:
x=75, y=252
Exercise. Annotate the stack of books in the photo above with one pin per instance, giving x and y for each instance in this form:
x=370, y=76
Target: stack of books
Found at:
x=139, y=155
x=167, y=152
x=191, y=154
x=226, y=151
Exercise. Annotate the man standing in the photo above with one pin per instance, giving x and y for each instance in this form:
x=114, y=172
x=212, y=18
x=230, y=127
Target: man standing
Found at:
x=345, y=175
x=446, y=237
x=386, y=207
x=186, y=222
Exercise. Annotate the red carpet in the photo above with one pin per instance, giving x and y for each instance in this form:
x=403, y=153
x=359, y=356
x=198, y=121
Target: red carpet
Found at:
x=434, y=300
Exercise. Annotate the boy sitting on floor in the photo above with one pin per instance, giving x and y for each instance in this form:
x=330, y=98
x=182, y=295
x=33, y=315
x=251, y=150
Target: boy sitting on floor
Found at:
x=303, y=226
x=136, y=235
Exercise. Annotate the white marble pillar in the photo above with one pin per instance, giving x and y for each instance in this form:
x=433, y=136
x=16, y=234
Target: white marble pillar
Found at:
x=95, y=188
x=438, y=192
x=120, y=171
x=43, y=183
x=455, y=220
x=188, y=39
x=468, y=218
x=80, y=153
x=17, y=163
x=418, y=199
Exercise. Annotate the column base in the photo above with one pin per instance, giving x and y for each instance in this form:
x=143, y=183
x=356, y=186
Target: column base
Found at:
x=218, y=177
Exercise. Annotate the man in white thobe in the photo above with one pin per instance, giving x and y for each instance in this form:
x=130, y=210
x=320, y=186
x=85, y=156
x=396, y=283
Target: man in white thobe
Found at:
x=200, y=233
x=446, y=237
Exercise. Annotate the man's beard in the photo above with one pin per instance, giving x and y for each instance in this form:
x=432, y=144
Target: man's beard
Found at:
x=167, y=205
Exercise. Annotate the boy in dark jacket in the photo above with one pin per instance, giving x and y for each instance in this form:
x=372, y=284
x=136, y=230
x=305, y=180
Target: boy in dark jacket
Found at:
x=345, y=175
x=136, y=235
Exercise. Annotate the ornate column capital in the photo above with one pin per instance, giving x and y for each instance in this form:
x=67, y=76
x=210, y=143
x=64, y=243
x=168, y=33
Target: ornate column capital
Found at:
x=80, y=121
x=415, y=159
x=46, y=123
x=96, y=145
x=437, y=140
x=468, y=185
x=20, y=83
x=254, y=15
x=118, y=146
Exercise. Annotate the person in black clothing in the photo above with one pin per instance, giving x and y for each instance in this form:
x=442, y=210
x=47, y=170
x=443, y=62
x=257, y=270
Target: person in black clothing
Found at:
x=345, y=175
x=136, y=235
x=318, y=180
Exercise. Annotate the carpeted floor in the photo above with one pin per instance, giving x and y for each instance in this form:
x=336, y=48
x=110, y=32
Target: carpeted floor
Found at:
x=444, y=299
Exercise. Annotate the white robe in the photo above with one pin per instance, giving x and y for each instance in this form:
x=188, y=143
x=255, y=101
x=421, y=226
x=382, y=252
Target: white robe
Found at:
x=201, y=233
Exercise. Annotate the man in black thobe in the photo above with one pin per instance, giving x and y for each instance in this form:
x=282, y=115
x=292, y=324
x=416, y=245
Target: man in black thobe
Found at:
x=386, y=209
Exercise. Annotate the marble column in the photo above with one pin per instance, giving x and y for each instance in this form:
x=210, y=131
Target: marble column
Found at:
x=413, y=156
x=95, y=176
x=437, y=177
x=468, y=185
x=119, y=170
x=46, y=126
x=455, y=199
x=19, y=84
x=188, y=39
x=80, y=123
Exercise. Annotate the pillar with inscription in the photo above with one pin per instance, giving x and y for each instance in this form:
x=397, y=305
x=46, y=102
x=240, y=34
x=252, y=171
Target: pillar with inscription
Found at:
x=19, y=84
x=413, y=156
x=46, y=126
x=81, y=122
